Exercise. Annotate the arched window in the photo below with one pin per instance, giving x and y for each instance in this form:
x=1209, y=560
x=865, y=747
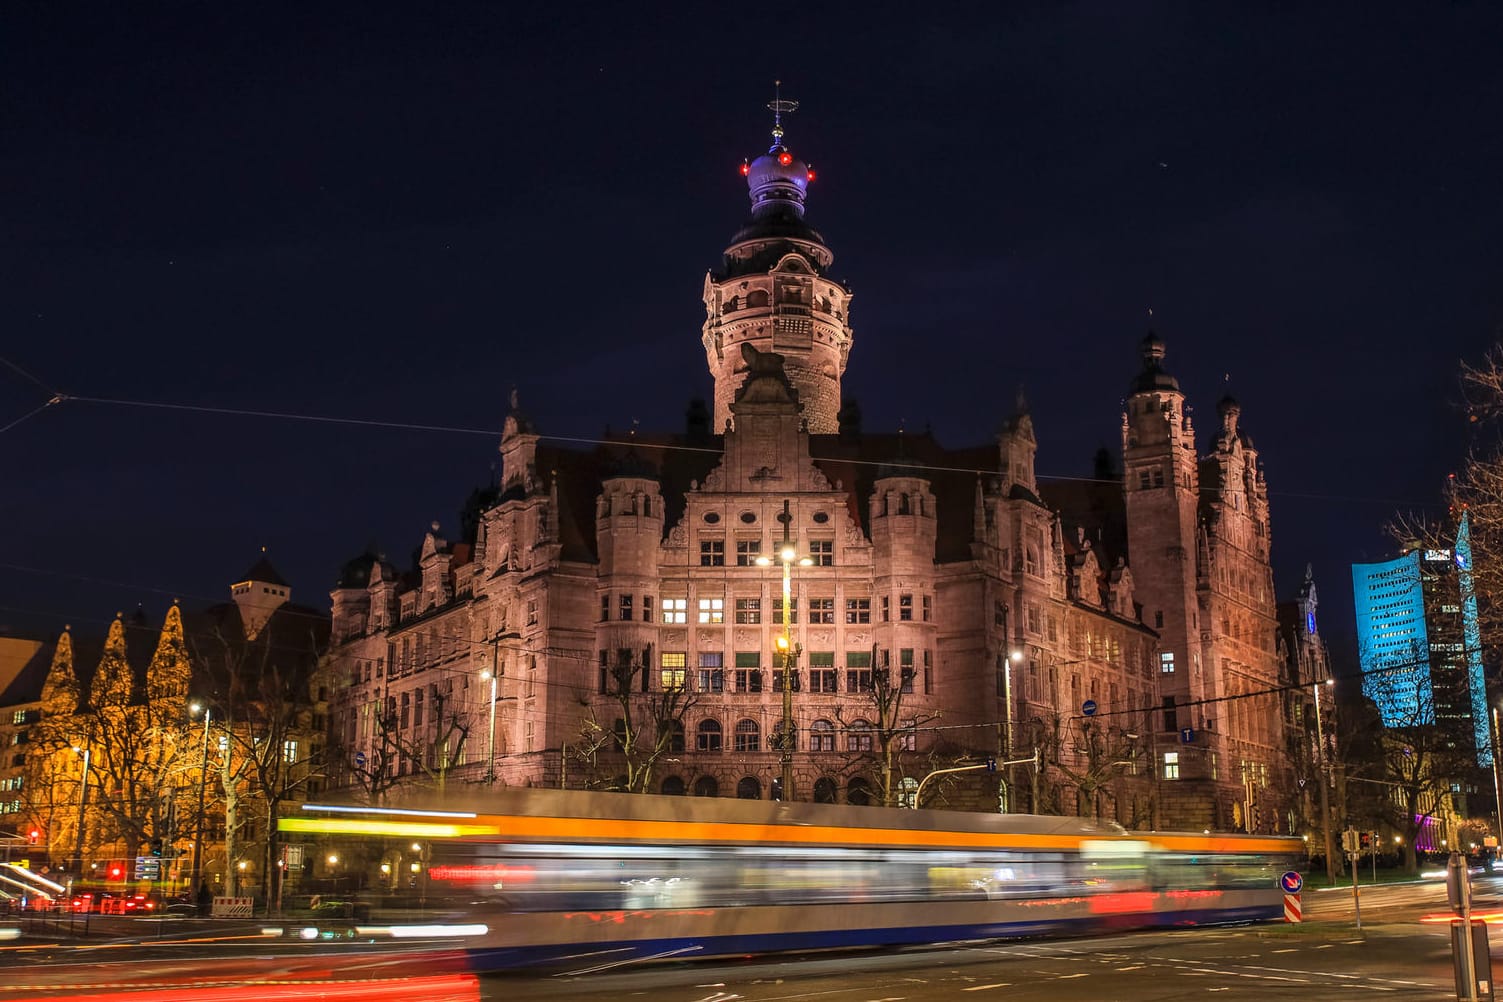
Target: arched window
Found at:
x=708, y=737
x=859, y=736
x=749, y=789
x=825, y=791
x=822, y=738
x=705, y=786
x=748, y=737
x=675, y=730
x=903, y=504
x=756, y=299
x=859, y=792
x=673, y=786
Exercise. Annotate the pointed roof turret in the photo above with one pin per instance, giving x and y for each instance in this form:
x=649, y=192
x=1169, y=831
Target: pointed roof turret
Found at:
x=113, y=679
x=61, y=692
x=262, y=572
x=171, y=670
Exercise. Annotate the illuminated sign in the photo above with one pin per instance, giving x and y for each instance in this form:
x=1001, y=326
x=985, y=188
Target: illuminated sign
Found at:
x=1440, y=556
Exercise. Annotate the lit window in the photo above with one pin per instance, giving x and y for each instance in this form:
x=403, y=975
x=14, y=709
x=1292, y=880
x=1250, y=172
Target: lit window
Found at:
x=289, y=752
x=1166, y=663
x=674, y=672
x=712, y=610
x=1171, y=765
x=675, y=610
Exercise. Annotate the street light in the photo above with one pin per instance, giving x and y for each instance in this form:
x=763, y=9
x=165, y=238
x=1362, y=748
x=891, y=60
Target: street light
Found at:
x=1013, y=657
x=1323, y=765
x=494, y=675
x=83, y=801
x=787, y=556
x=203, y=778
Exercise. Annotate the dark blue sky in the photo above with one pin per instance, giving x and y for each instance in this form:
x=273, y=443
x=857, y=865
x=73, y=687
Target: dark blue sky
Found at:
x=398, y=213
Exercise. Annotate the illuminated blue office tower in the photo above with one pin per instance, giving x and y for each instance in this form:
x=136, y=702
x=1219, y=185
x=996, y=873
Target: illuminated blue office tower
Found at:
x=1420, y=643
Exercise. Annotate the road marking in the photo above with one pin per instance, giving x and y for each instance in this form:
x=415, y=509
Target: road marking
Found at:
x=1072, y=977
x=982, y=988
x=1289, y=949
x=1134, y=967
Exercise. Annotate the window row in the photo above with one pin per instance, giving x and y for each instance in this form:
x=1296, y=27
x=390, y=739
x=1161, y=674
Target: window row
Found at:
x=748, y=611
x=820, y=553
x=629, y=669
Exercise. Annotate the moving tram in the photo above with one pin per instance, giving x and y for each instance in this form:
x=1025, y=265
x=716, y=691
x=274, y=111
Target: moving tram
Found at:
x=540, y=876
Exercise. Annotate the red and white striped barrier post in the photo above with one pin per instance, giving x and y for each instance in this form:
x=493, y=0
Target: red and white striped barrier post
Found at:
x=1292, y=908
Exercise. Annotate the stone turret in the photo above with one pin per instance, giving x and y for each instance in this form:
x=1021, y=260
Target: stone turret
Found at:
x=772, y=291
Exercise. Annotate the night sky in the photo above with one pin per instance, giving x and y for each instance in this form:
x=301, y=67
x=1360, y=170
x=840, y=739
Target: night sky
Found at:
x=399, y=213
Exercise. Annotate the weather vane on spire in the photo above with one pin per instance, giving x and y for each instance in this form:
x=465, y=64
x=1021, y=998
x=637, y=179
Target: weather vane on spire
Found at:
x=779, y=107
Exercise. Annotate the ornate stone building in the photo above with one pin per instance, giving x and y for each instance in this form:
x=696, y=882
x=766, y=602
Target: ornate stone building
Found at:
x=945, y=608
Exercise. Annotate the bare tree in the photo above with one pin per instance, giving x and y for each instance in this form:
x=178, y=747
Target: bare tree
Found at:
x=894, y=732
x=1090, y=755
x=645, y=726
x=263, y=698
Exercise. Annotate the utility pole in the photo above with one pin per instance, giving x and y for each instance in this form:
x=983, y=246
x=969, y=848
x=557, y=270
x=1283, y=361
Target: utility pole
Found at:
x=203, y=780
x=83, y=802
x=1323, y=768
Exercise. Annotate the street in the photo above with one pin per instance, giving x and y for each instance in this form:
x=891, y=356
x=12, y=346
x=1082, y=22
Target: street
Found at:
x=1395, y=954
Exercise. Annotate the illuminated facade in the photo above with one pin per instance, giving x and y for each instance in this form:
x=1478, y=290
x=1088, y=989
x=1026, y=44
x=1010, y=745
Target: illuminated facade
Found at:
x=1003, y=612
x=1420, y=643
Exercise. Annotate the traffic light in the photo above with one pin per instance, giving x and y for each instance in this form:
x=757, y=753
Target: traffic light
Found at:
x=1366, y=840
x=156, y=847
x=1349, y=840
x=116, y=870
x=34, y=836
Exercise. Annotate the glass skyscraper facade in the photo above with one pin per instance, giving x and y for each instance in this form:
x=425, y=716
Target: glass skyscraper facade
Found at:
x=1420, y=644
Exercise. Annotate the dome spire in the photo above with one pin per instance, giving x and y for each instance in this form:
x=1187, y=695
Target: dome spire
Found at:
x=777, y=106
x=777, y=180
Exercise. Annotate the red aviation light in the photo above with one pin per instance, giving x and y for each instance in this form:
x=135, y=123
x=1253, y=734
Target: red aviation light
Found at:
x=745, y=168
x=785, y=158
x=811, y=173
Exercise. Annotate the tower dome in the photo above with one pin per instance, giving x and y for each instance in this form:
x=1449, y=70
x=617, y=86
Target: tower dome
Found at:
x=773, y=293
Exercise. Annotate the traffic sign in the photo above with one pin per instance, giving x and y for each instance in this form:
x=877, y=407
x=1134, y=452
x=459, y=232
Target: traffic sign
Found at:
x=1088, y=707
x=360, y=760
x=1186, y=735
x=1291, y=882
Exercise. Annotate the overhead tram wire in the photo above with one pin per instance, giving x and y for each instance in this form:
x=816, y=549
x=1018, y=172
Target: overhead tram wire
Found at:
x=639, y=443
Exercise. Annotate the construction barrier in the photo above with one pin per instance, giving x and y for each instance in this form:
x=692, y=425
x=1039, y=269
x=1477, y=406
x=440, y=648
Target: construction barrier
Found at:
x=232, y=907
x=1292, y=908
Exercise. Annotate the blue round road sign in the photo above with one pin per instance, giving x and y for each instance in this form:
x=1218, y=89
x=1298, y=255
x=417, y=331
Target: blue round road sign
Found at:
x=1088, y=707
x=1291, y=882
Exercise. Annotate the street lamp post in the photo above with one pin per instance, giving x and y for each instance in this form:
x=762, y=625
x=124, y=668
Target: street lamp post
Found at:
x=494, y=675
x=1497, y=791
x=787, y=555
x=83, y=802
x=1323, y=766
x=203, y=779
x=1013, y=657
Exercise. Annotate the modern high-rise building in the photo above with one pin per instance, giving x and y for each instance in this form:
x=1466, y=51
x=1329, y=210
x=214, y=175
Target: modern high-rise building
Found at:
x=1420, y=644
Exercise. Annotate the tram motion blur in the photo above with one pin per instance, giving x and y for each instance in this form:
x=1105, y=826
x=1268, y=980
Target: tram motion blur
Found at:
x=537, y=876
